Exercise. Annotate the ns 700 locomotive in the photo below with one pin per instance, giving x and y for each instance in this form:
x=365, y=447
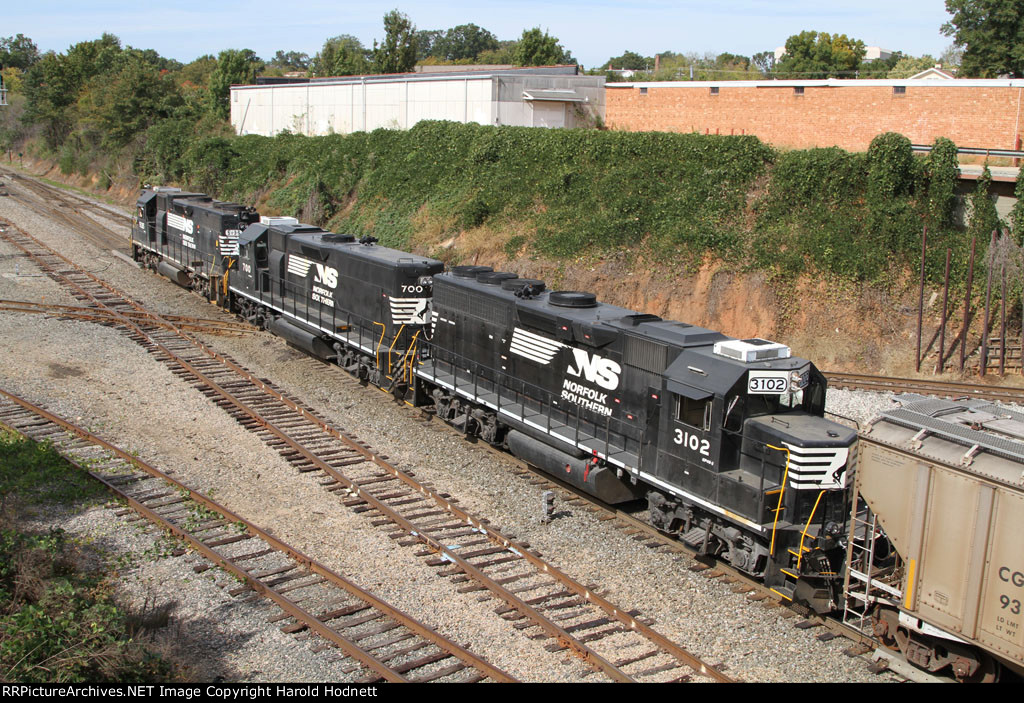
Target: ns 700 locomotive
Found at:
x=724, y=438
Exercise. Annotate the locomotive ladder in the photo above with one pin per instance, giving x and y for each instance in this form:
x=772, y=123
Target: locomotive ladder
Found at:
x=862, y=589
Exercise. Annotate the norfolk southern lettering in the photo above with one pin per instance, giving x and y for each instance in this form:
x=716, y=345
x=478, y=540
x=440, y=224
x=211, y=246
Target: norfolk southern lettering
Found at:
x=587, y=398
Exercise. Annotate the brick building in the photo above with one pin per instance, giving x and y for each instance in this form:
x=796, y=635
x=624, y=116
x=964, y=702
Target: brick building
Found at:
x=843, y=113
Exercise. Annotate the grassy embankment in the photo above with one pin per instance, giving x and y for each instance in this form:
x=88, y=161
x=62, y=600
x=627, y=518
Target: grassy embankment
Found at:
x=58, y=620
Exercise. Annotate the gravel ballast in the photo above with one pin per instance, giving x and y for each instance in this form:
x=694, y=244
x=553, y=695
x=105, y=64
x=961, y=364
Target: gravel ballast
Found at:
x=97, y=377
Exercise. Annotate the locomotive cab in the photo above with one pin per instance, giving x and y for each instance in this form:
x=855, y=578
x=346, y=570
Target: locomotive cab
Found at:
x=360, y=305
x=144, y=222
x=744, y=444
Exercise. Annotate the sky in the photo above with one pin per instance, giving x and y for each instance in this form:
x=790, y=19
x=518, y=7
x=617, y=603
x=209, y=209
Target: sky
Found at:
x=593, y=31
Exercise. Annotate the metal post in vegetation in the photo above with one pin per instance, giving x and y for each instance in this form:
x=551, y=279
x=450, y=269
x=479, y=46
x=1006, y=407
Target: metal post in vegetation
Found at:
x=1002, y=328
x=940, y=367
x=920, y=301
x=988, y=299
x=967, y=307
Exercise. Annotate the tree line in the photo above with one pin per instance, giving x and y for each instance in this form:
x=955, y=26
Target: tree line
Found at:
x=988, y=42
x=102, y=106
x=404, y=46
x=101, y=100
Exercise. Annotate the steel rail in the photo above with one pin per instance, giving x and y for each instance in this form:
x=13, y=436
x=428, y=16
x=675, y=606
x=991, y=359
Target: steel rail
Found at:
x=577, y=647
x=94, y=314
x=292, y=608
x=652, y=535
x=72, y=199
x=580, y=649
x=50, y=269
x=97, y=233
x=838, y=379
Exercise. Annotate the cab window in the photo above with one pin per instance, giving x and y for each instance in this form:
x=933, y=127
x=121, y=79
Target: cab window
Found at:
x=693, y=412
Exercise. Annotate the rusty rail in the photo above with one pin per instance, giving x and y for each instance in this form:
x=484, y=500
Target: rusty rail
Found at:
x=23, y=417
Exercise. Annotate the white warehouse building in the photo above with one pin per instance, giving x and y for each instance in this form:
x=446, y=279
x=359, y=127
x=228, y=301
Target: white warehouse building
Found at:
x=553, y=96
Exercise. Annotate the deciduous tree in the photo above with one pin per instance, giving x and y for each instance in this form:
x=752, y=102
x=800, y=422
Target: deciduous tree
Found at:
x=397, y=53
x=18, y=52
x=630, y=61
x=116, y=106
x=343, y=55
x=291, y=60
x=53, y=83
x=820, y=55
x=909, y=66
x=234, y=67
x=536, y=48
x=991, y=33
x=764, y=61
x=463, y=43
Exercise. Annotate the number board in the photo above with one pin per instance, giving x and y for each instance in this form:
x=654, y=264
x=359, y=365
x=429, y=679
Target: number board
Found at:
x=768, y=382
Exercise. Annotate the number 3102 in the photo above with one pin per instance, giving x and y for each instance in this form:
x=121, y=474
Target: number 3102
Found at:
x=693, y=442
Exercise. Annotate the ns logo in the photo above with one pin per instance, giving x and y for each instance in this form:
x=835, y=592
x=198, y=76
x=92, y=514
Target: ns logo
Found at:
x=326, y=275
x=596, y=369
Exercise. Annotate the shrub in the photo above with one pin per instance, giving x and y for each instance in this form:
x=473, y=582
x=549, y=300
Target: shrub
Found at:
x=943, y=171
x=890, y=166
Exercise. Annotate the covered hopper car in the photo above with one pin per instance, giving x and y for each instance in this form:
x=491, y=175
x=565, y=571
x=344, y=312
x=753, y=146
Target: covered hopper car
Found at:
x=936, y=565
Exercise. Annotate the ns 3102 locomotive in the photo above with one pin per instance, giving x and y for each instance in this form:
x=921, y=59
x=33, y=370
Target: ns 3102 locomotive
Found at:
x=724, y=438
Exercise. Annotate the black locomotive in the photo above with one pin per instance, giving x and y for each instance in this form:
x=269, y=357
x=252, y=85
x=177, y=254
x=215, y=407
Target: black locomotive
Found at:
x=188, y=237
x=724, y=438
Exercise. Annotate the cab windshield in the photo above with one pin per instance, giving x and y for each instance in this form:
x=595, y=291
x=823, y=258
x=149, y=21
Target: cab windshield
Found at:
x=810, y=399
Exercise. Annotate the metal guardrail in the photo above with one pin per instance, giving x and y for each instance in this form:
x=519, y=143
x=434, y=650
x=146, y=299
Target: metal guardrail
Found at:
x=1007, y=153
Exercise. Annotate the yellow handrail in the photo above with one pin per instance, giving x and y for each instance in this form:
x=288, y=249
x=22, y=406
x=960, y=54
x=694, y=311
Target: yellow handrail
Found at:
x=803, y=534
x=410, y=356
x=383, y=330
x=391, y=349
x=231, y=262
x=782, y=492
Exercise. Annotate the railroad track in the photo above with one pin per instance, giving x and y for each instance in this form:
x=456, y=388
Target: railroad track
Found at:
x=68, y=197
x=543, y=601
x=649, y=537
x=951, y=389
x=103, y=317
x=74, y=211
x=377, y=641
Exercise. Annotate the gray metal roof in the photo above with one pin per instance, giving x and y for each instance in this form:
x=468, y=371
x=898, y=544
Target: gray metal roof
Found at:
x=968, y=423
